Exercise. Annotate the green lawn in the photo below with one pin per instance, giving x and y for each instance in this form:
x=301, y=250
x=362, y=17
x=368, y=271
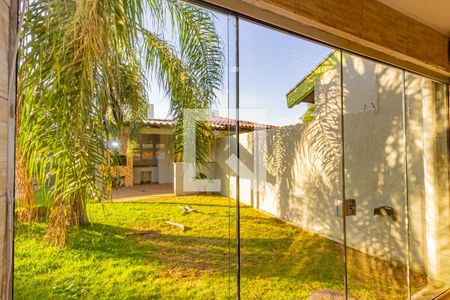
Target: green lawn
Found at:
x=279, y=261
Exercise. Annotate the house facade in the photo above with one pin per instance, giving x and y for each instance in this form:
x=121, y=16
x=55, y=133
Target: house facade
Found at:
x=149, y=158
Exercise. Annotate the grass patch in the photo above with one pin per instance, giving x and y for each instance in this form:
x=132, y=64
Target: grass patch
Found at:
x=279, y=261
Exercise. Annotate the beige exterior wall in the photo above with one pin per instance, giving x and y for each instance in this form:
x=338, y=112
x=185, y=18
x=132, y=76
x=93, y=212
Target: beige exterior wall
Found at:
x=6, y=136
x=374, y=157
x=303, y=164
x=428, y=175
x=4, y=45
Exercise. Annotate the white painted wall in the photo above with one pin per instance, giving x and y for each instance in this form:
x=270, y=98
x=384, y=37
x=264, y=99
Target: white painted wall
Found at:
x=165, y=160
x=210, y=170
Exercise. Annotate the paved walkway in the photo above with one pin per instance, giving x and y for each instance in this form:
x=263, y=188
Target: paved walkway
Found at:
x=142, y=191
x=328, y=294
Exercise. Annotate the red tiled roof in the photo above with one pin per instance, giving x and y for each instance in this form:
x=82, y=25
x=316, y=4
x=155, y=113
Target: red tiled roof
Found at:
x=219, y=123
x=158, y=123
x=224, y=123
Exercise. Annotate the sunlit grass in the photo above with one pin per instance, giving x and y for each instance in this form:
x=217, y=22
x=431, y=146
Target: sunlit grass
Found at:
x=279, y=261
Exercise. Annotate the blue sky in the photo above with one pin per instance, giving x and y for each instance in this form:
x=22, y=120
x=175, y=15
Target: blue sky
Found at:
x=271, y=63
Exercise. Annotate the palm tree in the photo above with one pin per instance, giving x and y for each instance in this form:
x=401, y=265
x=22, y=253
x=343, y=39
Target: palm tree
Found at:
x=83, y=69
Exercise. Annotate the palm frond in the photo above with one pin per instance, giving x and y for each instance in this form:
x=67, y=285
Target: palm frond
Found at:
x=82, y=79
x=183, y=91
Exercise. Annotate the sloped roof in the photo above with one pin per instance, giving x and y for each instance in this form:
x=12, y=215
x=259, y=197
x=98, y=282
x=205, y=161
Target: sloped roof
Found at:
x=219, y=123
x=158, y=123
x=305, y=87
x=224, y=123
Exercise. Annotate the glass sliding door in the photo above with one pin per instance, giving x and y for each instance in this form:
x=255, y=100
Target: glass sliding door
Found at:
x=375, y=177
x=340, y=176
x=227, y=152
x=428, y=185
x=395, y=141
x=169, y=232
x=269, y=167
x=207, y=262
x=290, y=166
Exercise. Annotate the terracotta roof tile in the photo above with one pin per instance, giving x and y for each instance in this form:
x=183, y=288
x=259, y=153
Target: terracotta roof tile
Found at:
x=219, y=123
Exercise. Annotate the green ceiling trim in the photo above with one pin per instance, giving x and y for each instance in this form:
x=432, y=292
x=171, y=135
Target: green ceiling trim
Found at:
x=307, y=84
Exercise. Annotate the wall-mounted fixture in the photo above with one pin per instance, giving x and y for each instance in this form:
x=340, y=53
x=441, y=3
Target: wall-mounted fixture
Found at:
x=386, y=211
x=345, y=208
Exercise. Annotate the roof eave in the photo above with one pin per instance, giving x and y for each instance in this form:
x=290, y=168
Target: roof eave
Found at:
x=306, y=86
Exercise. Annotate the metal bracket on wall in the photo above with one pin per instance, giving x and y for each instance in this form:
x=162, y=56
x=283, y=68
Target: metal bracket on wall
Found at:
x=346, y=207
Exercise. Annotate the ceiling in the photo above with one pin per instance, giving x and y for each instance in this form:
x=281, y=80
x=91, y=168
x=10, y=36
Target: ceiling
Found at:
x=434, y=13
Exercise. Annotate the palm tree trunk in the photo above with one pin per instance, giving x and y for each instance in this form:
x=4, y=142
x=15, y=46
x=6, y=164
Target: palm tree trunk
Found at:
x=25, y=193
x=79, y=214
x=58, y=224
x=64, y=216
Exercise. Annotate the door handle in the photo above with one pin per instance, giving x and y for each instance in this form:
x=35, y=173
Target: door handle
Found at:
x=386, y=211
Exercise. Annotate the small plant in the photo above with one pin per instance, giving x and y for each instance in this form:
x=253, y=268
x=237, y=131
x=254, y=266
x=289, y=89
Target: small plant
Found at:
x=201, y=176
x=309, y=115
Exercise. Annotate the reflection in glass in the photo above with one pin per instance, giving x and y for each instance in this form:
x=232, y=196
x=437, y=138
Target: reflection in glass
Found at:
x=374, y=162
x=428, y=182
x=290, y=169
x=155, y=239
x=296, y=128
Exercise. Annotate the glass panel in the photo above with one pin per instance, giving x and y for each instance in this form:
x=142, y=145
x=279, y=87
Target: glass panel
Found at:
x=212, y=250
x=158, y=240
x=290, y=166
x=227, y=149
x=374, y=164
x=428, y=181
